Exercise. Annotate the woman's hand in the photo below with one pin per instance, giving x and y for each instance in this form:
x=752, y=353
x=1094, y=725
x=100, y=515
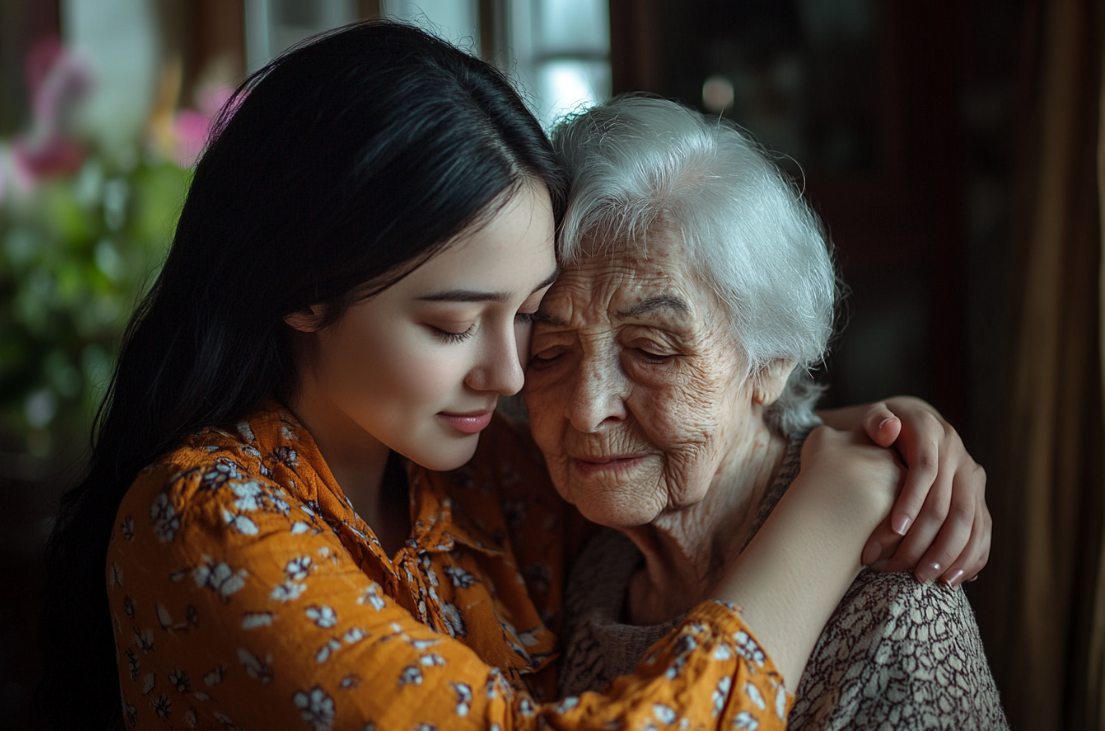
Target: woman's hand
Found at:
x=796, y=569
x=941, y=511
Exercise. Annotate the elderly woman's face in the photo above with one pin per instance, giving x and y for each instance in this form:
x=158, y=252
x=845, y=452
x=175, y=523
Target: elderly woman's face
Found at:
x=634, y=384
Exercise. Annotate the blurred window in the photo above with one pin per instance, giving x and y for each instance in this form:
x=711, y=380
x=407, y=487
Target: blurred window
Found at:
x=561, y=53
x=274, y=25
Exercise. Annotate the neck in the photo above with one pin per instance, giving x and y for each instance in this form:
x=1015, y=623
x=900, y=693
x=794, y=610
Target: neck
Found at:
x=688, y=550
x=356, y=459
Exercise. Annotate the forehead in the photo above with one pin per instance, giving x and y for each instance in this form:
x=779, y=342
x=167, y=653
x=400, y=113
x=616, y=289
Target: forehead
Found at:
x=622, y=278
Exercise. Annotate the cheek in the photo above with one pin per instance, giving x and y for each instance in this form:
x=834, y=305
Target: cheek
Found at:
x=387, y=364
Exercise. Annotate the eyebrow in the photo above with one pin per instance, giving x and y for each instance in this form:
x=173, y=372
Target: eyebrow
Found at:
x=651, y=304
x=644, y=307
x=476, y=295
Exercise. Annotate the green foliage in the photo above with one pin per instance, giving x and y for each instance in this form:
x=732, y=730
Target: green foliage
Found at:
x=76, y=255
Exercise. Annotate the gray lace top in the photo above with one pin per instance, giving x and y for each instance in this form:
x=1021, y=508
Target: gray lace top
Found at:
x=895, y=654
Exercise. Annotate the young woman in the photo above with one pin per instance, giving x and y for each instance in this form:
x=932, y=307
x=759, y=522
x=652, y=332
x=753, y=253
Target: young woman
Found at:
x=351, y=280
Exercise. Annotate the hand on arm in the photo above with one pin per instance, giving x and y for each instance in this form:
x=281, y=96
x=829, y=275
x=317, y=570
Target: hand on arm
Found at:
x=792, y=575
x=942, y=509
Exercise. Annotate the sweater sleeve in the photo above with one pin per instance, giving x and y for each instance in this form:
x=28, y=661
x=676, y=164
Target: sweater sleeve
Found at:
x=238, y=607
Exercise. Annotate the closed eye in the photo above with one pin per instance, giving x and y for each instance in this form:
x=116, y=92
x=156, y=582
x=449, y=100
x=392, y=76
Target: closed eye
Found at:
x=450, y=336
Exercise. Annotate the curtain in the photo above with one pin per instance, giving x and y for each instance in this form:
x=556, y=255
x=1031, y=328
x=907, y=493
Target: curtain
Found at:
x=1045, y=598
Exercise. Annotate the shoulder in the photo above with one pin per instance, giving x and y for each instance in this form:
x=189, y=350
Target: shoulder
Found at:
x=896, y=649
x=221, y=478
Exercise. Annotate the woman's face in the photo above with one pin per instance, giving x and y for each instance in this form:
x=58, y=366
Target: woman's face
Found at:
x=634, y=384
x=419, y=367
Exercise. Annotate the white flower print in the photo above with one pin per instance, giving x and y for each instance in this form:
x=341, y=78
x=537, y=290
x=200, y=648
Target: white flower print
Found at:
x=163, y=616
x=298, y=568
x=315, y=707
x=192, y=615
x=460, y=578
x=299, y=527
x=369, y=727
x=199, y=695
x=567, y=704
x=423, y=644
x=285, y=456
x=190, y=717
x=722, y=693
x=241, y=523
x=663, y=713
x=144, y=640
x=327, y=650
x=116, y=575
x=256, y=668
x=131, y=714
x=133, y=665
x=127, y=528
x=164, y=518
x=287, y=592
x=755, y=696
x=218, y=474
x=354, y=635
x=253, y=620
x=323, y=616
x=525, y=706
x=464, y=697
x=410, y=675
x=162, y=706
x=746, y=720
x=453, y=621
x=215, y=677
x=128, y=607
x=179, y=680
x=748, y=649
x=246, y=432
x=781, y=702
x=431, y=660
x=425, y=727
x=350, y=681
x=148, y=683
x=723, y=652
x=219, y=577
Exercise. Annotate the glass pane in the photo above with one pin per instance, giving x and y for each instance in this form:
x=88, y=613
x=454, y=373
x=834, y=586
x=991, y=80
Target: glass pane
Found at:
x=572, y=27
x=457, y=21
x=569, y=86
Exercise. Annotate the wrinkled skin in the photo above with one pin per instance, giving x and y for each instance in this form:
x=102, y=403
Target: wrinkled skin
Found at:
x=639, y=397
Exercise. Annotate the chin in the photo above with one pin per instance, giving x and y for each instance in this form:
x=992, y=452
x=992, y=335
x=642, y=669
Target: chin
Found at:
x=446, y=458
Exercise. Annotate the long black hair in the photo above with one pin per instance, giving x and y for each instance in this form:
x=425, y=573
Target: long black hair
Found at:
x=349, y=160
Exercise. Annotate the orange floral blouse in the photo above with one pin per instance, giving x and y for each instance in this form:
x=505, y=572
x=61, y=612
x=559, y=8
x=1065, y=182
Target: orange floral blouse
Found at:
x=246, y=593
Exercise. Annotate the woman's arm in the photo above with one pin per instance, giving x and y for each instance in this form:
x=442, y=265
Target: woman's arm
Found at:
x=791, y=576
x=942, y=508
x=236, y=605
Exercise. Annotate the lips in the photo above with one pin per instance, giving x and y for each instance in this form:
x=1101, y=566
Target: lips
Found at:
x=471, y=422
x=590, y=465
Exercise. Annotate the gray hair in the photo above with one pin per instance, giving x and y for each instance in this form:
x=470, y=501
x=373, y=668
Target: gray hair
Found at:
x=639, y=163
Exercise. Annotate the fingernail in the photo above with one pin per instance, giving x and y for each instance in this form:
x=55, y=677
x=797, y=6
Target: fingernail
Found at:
x=871, y=553
x=900, y=524
x=885, y=421
x=931, y=571
x=954, y=579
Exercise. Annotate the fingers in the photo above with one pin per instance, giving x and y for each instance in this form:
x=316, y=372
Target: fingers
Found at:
x=951, y=539
x=920, y=446
x=881, y=424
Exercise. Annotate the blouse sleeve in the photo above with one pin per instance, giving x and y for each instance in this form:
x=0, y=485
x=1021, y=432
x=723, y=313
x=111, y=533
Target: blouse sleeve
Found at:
x=239, y=608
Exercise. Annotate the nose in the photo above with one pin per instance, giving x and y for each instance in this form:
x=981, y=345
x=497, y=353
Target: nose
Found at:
x=598, y=395
x=500, y=367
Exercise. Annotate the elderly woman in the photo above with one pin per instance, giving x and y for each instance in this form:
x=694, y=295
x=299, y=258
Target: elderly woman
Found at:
x=668, y=389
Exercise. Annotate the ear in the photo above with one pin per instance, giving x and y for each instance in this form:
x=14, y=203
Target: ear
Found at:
x=307, y=320
x=770, y=381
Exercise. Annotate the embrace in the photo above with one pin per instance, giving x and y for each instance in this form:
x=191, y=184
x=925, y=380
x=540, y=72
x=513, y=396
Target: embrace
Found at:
x=302, y=510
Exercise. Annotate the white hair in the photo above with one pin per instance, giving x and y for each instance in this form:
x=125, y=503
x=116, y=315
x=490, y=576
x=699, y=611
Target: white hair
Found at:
x=638, y=164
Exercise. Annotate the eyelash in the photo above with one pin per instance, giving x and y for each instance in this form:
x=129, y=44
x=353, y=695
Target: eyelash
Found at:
x=451, y=337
